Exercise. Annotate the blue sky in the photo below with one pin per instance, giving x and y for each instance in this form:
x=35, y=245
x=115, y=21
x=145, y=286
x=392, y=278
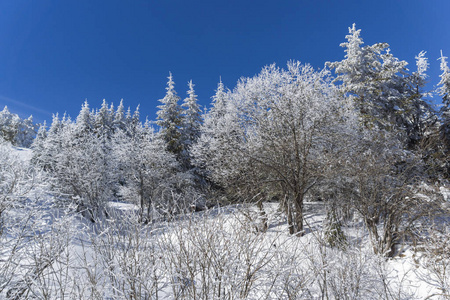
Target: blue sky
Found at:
x=54, y=54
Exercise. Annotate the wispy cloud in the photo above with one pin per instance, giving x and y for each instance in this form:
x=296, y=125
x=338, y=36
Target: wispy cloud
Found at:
x=29, y=108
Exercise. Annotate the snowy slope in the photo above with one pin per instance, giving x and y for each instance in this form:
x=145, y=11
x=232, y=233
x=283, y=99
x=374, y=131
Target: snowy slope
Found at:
x=216, y=254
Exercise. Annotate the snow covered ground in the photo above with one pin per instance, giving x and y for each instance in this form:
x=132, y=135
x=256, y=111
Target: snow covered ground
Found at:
x=50, y=252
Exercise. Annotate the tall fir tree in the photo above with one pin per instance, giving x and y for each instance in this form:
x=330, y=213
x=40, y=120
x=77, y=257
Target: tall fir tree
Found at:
x=103, y=119
x=368, y=75
x=219, y=101
x=119, y=117
x=84, y=120
x=170, y=120
x=192, y=122
x=444, y=83
x=38, y=145
x=382, y=89
x=418, y=114
x=212, y=119
x=444, y=92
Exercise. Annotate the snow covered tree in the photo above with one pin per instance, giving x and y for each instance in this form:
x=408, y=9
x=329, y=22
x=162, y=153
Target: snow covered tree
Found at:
x=421, y=115
x=77, y=157
x=276, y=135
x=170, y=120
x=192, y=122
x=9, y=125
x=359, y=73
x=134, y=121
x=219, y=101
x=26, y=132
x=145, y=168
x=119, y=117
x=444, y=92
x=378, y=180
x=444, y=83
x=217, y=139
x=83, y=171
x=85, y=119
x=48, y=146
x=384, y=93
x=103, y=119
x=216, y=123
x=38, y=145
x=101, y=116
x=17, y=131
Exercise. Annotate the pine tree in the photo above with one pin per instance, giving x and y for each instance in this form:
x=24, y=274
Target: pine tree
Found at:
x=84, y=119
x=219, y=101
x=444, y=92
x=133, y=122
x=26, y=132
x=444, y=83
x=416, y=114
x=38, y=145
x=119, y=117
x=170, y=120
x=192, y=122
x=373, y=78
x=216, y=124
x=103, y=119
x=386, y=95
x=49, y=146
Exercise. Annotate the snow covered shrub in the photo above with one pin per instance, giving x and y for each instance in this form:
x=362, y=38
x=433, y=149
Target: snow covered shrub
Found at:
x=106, y=156
x=17, y=179
x=381, y=180
x=218, y=255
x=32, y=235
x=354, y=272
x=435, y=260
x=128, y=258
x=44, y=270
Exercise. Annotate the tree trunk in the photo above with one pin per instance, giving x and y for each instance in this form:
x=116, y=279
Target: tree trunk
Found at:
x=263, y=216
x=373, y=234
x=141, y=198
x=290, y=218
x=299, y=214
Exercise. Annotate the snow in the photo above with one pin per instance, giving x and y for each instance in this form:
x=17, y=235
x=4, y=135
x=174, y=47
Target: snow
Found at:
x=24, y=154
x=200, y=252
x=445, y=193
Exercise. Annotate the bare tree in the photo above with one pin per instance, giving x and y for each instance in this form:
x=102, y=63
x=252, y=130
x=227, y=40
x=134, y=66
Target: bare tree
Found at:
x=279, y=132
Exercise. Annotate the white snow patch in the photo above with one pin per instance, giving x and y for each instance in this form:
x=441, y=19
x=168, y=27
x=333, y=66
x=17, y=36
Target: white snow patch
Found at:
x=445, y=193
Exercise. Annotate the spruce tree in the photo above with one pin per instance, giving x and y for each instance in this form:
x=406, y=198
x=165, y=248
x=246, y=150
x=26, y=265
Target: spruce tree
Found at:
x=219, y=101
x=103, y=119
x=119, y=117
x=386, y=95
x=444, y=92
x=170, y=120
x=372, y=77
x=83, y=122
x=192, y=123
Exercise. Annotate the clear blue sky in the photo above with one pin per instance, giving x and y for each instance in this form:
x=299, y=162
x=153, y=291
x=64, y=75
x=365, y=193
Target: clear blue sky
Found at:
x=56, y=53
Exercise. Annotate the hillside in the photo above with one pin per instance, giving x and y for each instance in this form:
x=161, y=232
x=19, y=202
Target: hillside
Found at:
x=52, y=252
